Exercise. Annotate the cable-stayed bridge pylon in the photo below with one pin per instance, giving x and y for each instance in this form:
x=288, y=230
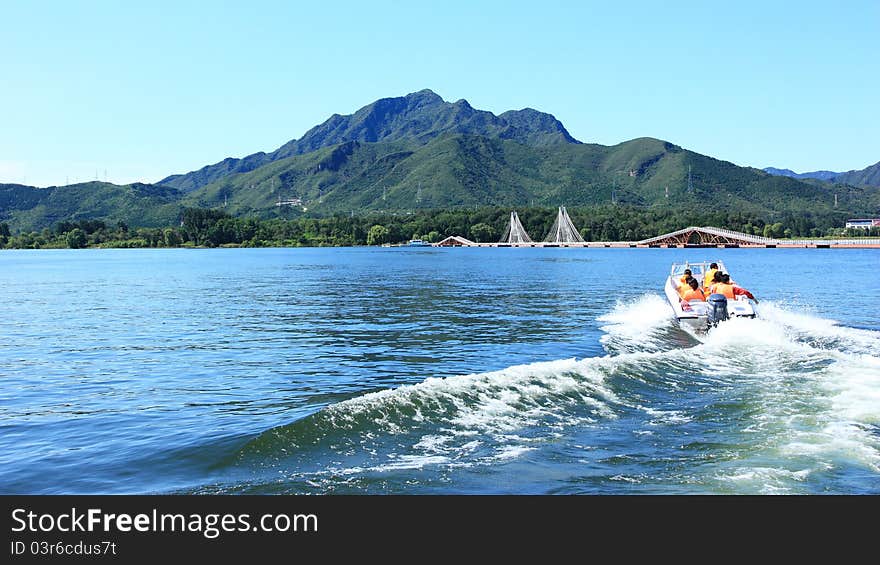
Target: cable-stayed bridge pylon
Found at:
x=563, y=230
x=515, y=232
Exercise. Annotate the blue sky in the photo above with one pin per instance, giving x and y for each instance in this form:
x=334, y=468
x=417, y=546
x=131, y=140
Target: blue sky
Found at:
x=140, y=90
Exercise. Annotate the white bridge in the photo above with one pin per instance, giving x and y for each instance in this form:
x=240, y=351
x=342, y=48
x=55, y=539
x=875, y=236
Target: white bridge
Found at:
x=564, y=234
x=720, y=237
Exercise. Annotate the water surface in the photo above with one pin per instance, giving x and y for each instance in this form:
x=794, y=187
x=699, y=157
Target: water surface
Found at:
x=433, y=371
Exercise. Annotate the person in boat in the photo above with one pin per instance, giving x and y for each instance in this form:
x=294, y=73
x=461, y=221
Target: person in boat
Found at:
x=694, y=292
x=708, y=279
x=730, y=290
x=684, y=278
x=716, y=279
x=684, y=285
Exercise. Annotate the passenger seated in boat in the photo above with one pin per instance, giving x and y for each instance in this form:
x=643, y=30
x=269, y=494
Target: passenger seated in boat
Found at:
x=684, y=278
x=708, y=279
x=693, y=292
x=684, y=285
x=716, y=279
x=731, y=290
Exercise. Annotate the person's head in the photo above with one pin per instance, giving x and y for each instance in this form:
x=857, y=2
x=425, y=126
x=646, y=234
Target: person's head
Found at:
x=717, y=276
x=694, y=284
x=687, y=272
x=725, y=278
x=713, y=266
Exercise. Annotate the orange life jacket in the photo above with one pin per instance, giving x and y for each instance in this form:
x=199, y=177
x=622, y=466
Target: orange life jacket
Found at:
x=725, y=289
x=710, y=275
x=692, y=294
x=682, y=289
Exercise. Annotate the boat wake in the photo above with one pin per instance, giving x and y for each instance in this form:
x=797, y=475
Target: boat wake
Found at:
x=451, y=422
x=764, y=405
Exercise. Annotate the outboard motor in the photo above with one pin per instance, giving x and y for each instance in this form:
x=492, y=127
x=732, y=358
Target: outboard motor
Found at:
x=717, y=309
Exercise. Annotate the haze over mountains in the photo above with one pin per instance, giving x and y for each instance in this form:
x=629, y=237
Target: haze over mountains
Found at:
x=419, y=151
x=820, y=175
x=869, y=176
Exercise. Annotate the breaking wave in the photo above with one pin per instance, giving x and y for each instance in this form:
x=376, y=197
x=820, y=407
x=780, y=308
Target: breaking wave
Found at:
x=764, y=405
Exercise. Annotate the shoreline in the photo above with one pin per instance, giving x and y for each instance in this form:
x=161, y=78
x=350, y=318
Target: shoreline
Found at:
x=818, y=244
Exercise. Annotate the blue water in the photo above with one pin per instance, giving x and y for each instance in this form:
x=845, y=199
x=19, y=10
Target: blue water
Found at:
x=433, y=371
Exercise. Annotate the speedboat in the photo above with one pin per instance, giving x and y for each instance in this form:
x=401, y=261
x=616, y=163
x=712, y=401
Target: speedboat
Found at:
x=418, y=243
x=696, y=313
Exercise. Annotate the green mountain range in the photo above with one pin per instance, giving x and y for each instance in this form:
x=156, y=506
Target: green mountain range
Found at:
x=418, y=117
x=869, y=176
x=28, y=208
x=468, y=170
x=418, y=152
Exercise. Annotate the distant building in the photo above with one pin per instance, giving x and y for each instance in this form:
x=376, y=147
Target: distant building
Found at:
x=863, y=223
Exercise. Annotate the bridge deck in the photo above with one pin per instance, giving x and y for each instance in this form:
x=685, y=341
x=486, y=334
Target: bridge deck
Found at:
x=781, y=244
x=707, y=237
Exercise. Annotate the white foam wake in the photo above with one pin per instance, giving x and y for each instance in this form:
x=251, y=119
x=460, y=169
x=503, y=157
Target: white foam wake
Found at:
x=810, y=385
x=486, y=418
x=637, y=325
x=805, y=392
x=488, y=403
x=817, y=385
x=819, y=331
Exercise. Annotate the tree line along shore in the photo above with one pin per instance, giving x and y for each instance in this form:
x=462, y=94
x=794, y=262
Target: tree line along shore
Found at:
x=199, y=227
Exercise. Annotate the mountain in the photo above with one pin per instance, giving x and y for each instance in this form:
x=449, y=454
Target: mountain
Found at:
x=468, y=170
x=821, y=175
x=417, y=151
x=418, y=117
x=147, y=205
x=869, y=176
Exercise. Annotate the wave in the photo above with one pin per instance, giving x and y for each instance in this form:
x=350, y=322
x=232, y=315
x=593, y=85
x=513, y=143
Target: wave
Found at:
x=821, y=332
x=645, y=323
x=781, y=399
x=816, y=384
x=447, y=419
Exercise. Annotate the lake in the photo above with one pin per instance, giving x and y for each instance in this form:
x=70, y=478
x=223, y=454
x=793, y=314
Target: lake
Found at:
x=429, y=370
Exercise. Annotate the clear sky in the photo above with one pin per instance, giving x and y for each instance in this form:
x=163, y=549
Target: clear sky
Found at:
x=142, y=90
